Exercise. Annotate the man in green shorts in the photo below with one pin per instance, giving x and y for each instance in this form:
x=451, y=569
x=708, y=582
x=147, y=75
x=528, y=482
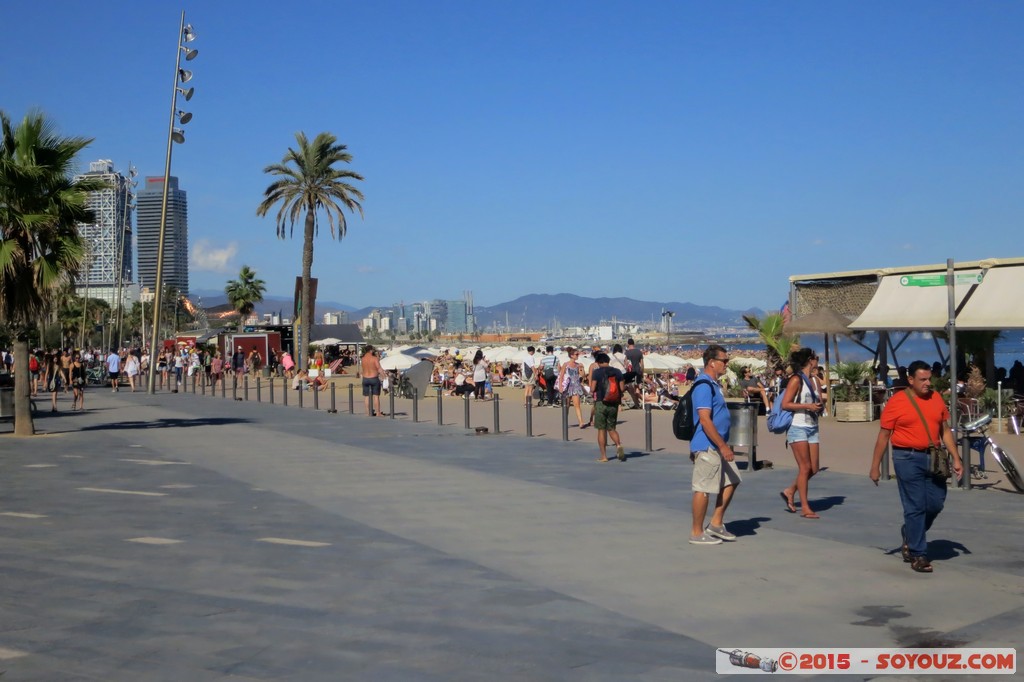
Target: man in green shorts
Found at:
x=606, y=387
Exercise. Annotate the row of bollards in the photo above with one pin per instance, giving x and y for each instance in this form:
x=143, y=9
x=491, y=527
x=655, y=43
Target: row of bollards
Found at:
x=200, y=380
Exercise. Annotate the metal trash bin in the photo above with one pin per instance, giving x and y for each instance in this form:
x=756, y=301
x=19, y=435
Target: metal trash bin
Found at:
x=743, y=430
x=6, y=403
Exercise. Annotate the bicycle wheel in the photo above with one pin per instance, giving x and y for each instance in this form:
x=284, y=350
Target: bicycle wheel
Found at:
x=1005, y=461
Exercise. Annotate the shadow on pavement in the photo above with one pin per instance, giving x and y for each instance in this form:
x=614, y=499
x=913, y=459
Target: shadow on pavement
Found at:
x=824, y=503
x=943, y=550
x=167, y=423
x=743, y=527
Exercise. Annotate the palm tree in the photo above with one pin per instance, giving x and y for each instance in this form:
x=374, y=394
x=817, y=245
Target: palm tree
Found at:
x=778, y=342
x=308, y=182
x=244, y=293
x=40, y=247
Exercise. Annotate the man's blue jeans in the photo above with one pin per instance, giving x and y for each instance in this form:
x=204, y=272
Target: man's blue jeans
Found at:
x=922, y=496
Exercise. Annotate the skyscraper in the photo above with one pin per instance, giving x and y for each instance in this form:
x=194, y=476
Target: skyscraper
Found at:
x=109, y=238
x=176, y=240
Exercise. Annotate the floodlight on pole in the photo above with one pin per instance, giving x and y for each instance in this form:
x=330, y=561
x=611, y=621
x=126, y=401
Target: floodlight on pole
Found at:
x=174, y=135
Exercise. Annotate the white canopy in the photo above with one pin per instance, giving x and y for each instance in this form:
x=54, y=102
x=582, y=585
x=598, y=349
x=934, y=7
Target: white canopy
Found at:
x=900, y=305
x=399, y=361
x=330, y=341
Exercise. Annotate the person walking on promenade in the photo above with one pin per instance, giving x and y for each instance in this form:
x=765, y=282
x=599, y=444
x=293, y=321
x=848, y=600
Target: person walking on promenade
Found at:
x=549, y=370
x=479, y=375
x=635, y=372
x=916, y=419
x=238, y=364
x=804, y=401
x=78, y=382
x=606, y=414
x=179, y=368
x=529, y=372
x=570, y=385
x=216, y=371
x=371, y=371
x=131, y=370
x=714, y=466
x=53, y=376
x=287, y=364
x=114, y=369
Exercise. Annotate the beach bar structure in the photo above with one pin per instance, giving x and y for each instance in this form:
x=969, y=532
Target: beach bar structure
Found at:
x=914, y=298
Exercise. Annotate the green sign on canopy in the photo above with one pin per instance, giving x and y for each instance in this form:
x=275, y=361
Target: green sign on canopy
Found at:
x=940, y=280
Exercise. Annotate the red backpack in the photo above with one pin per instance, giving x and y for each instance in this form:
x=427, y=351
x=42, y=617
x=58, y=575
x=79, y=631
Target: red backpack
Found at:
x=33, y=363
x=612, y=390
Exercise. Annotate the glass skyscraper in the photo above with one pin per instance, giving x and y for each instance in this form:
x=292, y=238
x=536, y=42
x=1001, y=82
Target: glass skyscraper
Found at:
x=175, y=273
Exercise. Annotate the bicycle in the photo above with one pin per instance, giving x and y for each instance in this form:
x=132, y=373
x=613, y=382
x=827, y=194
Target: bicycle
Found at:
x=982, y=442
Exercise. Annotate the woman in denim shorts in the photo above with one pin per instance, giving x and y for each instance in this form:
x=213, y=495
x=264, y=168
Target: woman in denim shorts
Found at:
x=803, y=399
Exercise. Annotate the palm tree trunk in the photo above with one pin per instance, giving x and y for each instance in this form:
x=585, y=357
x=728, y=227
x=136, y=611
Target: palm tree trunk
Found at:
x=307, y=270
x=23, y=425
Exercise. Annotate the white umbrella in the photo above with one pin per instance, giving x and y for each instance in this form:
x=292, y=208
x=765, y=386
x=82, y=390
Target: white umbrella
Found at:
x=399, y=361
x=326, y=342
x=656, y=362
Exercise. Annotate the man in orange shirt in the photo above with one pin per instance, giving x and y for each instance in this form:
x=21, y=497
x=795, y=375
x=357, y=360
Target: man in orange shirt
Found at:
x=921, y=494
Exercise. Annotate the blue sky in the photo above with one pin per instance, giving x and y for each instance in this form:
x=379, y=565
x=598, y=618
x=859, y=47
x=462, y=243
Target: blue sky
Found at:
x=688, y=151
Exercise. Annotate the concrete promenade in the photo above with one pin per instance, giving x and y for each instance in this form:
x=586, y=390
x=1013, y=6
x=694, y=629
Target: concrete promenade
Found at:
x=188, y=537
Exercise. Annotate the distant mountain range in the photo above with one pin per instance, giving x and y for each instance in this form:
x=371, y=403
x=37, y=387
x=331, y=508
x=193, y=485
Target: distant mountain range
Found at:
x=539, y=311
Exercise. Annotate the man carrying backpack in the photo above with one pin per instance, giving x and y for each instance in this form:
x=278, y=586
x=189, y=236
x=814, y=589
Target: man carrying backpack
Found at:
x=549, y=365
x=606, y=386
x=714, y=466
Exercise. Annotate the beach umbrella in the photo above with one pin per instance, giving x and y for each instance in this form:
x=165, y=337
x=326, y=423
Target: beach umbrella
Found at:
x=330, y=341
x=399, y=361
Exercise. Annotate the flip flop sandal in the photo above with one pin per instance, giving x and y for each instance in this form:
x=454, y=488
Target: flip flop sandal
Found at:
x=789, y=503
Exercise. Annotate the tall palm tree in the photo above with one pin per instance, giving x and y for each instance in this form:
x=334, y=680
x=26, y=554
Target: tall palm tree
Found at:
x=40, y=247
x=308, y=181
x=244, y=293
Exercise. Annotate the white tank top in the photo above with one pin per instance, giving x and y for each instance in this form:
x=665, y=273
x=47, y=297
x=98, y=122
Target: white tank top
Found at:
x=802, y=417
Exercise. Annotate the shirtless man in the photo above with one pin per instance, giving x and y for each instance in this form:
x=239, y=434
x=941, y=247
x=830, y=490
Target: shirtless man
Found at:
x=370, y=372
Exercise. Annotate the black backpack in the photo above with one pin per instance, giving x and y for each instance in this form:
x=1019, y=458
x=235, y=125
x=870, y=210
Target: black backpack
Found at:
x=683, y=423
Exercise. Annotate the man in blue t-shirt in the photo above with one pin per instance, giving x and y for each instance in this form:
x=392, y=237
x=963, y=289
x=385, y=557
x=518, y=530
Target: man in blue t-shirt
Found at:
x=714, y=466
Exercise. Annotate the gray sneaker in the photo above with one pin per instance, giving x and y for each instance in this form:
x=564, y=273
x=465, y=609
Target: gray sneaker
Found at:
x=704, y=539
x=719, y=532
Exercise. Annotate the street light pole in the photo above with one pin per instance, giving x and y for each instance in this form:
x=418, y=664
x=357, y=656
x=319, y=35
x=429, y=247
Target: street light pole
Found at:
x=185, y=34
x=129, y=196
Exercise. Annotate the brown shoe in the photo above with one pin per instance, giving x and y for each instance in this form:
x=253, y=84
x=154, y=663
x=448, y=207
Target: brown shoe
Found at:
x=921, y=564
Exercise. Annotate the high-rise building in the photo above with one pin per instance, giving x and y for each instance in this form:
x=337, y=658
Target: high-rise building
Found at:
x=108, y=238
x=457, y=320
x=175, y=273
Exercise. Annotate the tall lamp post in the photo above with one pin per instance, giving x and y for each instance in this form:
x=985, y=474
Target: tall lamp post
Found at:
x=125, y=221
x=181, y=76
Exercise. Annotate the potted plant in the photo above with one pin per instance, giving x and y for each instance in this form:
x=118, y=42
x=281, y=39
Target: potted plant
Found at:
x=850, y=393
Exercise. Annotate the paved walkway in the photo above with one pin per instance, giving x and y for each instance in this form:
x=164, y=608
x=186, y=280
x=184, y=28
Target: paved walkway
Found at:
x=176, y=537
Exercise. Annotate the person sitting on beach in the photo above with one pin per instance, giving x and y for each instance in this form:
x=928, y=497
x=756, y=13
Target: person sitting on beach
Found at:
x=752, y=388
x=463, y=385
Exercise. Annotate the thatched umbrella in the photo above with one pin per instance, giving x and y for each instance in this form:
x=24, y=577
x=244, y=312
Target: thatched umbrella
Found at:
x=822, y=321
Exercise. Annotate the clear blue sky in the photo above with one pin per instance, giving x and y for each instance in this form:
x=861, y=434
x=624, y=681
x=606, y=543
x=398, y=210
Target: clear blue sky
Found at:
x=690, y=151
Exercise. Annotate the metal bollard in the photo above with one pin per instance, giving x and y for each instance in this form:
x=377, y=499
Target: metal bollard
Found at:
x=391, y=402
x=965, y=460
x=271, y=390
x=202, y=383
x=465, y=400
x=440, y=395
x=884, y=466
x=497, y=415
x=234, y=388
x=415, y=405
x=351, y=399
x=223, y=386
x=316, y=397
x=284, y=392
x=334, y=406
x=301, y=391
x=259, y=391
x=565, y=419
x=529, y=416
x=245, y=386
x=648, y=432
